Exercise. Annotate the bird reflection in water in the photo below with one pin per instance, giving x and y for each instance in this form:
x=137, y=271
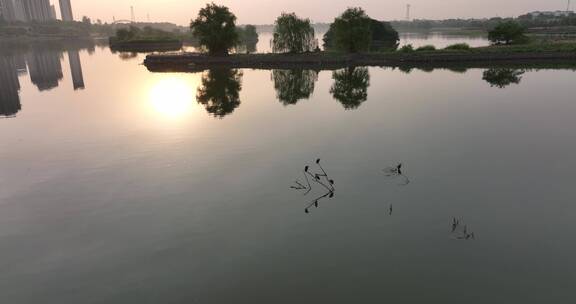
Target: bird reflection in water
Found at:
x=460, y=231
x=319, y=178
x=397, y=173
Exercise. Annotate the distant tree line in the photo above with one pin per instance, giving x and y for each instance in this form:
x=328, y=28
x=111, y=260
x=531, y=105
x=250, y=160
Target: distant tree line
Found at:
x=527, y=20
x=49, y=28
x=133, y=33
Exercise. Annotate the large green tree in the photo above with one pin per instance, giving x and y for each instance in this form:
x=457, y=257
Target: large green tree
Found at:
x=215, y=28
x=352, y=31
x=293, y=35
x=294, y=85
x=351, y=86
x=220, y=91
x=507, y=33
x=383, y=36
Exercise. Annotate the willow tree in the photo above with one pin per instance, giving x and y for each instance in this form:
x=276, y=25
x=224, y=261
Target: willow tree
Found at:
x=215, y=28
x=352, y=31
x=293, y=35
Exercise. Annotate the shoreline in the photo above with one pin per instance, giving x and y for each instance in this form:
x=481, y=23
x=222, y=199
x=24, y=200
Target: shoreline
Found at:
x=143, y=46
x=195, y=62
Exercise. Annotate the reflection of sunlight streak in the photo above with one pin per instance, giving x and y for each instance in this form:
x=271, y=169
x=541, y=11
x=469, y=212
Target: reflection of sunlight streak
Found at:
x=172, y=97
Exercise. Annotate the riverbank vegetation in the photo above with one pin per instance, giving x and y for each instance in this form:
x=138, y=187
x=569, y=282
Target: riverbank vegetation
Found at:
x=496, y=55
x=527, y=20
x=508, y=32
x=148, y=34
x=134, y=39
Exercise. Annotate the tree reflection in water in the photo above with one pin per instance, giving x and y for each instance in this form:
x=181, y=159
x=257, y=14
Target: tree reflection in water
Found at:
x=294, y=85
x=502, y=78
x=351, y=86
x=220, y=91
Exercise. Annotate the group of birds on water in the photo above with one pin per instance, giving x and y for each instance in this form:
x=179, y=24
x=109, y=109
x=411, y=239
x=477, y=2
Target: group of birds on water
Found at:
x=323, y=180
x=394, y=173
x=320, y=178
x=460, y=230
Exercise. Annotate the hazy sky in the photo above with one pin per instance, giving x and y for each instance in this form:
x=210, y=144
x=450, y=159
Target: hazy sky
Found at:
x=265, y=11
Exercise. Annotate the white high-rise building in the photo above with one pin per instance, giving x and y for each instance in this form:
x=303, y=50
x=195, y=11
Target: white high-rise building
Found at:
x=19, y=10
x=7, y=10
x=66, y=10
x=37, y=10
x=53, y=12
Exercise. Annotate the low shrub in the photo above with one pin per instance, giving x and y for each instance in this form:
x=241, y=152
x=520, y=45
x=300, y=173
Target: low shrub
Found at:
x=426, y=48
x=458, y=47
x=406, y=48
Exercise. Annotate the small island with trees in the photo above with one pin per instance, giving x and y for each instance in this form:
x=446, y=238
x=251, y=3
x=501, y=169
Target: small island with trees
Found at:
x=353, y=39
x=134, y=39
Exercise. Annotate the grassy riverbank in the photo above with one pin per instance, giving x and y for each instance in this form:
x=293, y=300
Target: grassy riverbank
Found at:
x=148, y=39
x=519, y=54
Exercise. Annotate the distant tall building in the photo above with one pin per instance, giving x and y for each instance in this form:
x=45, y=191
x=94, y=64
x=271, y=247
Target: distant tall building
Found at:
x=37, y=10
x=53, y=12
x=44, y=68
x=66, y=10
x=19, y=10
x=7, y=12
x=76, y=69
x=9, y=88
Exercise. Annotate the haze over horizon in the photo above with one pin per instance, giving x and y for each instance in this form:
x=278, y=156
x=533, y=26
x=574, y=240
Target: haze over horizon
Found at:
x=265, y=11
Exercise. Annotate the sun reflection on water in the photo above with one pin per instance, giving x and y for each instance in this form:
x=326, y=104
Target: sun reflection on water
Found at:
x=172, y=97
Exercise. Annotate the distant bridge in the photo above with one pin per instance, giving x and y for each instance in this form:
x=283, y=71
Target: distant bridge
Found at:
x=122, y=22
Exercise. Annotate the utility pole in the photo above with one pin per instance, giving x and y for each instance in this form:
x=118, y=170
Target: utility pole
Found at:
x=132, y=13
x=568, y=7
x=408, y=12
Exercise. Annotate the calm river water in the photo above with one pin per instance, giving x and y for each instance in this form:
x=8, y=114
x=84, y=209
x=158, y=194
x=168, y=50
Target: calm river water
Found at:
x=118, y=185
